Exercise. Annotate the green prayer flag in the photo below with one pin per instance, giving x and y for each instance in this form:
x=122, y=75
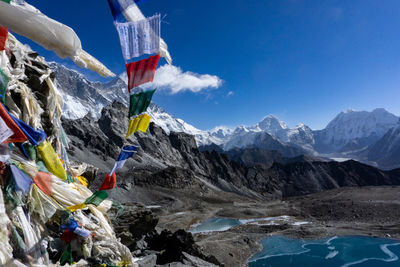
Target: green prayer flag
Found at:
x=97, y=198
x=69, y=179
x=31, y=151
x=140, y=102
x=41, y=166
x=7, y=1
x=67, y=256
x=3, y=85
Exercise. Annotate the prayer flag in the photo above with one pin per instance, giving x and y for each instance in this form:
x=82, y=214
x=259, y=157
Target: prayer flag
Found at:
x=82, y=180
x=142, y=71
x=68, y=236
x=126, y=153
x=51, y=160
x=3, y=37
x=97, y=198
x=3, y=84
x=109, y=182
x=34, y=136
x=139, y=38
x=119, y=6
x=5, y=132
x=140, y=102
x=44, y=182
x=22, y=182
x=66, y=257
x=127, y=10
x=140, y=123
x=18, y=136
x=76, y=207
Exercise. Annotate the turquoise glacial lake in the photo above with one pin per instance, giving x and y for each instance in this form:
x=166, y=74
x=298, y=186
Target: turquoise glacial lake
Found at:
x=341, y=251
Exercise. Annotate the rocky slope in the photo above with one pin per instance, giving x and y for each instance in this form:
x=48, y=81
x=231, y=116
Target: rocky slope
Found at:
x=174, y=161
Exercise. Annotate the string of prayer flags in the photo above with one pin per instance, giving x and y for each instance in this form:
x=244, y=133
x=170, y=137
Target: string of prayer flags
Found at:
x=142, y=71
x=109, y=182
x=22, y=182
x=140, y=123
x=28, y=21
x=97, y=198
x=139, y=38
x=140, y=102
x=51, y=160
x=3, y=37
x=126, y=153
x=18, y=136
x=3, y=84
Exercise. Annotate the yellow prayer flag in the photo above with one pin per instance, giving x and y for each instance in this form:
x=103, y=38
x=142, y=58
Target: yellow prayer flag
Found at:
x=82, y=180
x=140, y=123
x=76, y=207
x=51, y=160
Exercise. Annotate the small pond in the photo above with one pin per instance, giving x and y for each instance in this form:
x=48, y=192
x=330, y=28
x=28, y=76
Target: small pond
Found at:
x=224, y=224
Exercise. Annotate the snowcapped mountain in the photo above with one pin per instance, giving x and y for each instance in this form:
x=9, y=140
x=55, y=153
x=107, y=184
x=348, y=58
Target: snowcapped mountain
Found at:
x=300, y=136
x=386, y=152
x=354, y=130
x=171, y=124
x=82, y=96
x=350, y=134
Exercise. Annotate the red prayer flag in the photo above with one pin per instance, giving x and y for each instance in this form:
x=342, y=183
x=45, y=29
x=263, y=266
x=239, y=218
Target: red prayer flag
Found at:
x=44, y=182
x=142, y=71
x=3, y=37
x=109, y=182
x=68, y=236
x=18, y=136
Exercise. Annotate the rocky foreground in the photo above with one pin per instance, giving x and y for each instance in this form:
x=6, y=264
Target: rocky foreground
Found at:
x=367, y=211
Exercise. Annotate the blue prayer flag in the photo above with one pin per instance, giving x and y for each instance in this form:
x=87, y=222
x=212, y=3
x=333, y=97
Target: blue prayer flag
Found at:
x=126, y=153
x=22, y=182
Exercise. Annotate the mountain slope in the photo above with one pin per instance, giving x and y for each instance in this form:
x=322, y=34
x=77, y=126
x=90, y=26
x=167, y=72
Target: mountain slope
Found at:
x=386, y=151
x=354, y=130
x=82, y=96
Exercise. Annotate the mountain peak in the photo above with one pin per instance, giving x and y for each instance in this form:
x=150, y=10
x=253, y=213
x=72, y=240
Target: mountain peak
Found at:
x=349, y=110
x=272, y=123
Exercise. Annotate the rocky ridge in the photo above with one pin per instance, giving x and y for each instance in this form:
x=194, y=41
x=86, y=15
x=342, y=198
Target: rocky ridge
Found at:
x=174, y=161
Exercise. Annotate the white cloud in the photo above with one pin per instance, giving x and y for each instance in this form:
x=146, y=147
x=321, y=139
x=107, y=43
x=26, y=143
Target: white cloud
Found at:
x=230, y=93
x=173, y=78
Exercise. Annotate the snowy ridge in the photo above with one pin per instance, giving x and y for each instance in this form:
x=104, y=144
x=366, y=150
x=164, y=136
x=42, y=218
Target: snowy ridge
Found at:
x=350, y=124
x=344, y=137
x=82, y=96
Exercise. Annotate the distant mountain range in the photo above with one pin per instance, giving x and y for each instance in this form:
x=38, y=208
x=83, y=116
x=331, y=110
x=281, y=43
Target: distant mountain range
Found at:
x=369, y=137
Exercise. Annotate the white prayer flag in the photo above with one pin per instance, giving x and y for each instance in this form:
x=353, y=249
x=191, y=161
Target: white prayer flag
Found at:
x=139, y=37
x=5, y=132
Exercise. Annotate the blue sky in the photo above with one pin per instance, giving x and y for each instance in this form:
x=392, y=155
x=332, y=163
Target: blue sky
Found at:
x=301, y=60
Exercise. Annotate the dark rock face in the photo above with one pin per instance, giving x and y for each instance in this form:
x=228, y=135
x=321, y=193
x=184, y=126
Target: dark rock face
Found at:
x=135, y=226
x=131, y=223
x=300, y=178
x=173, y=246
